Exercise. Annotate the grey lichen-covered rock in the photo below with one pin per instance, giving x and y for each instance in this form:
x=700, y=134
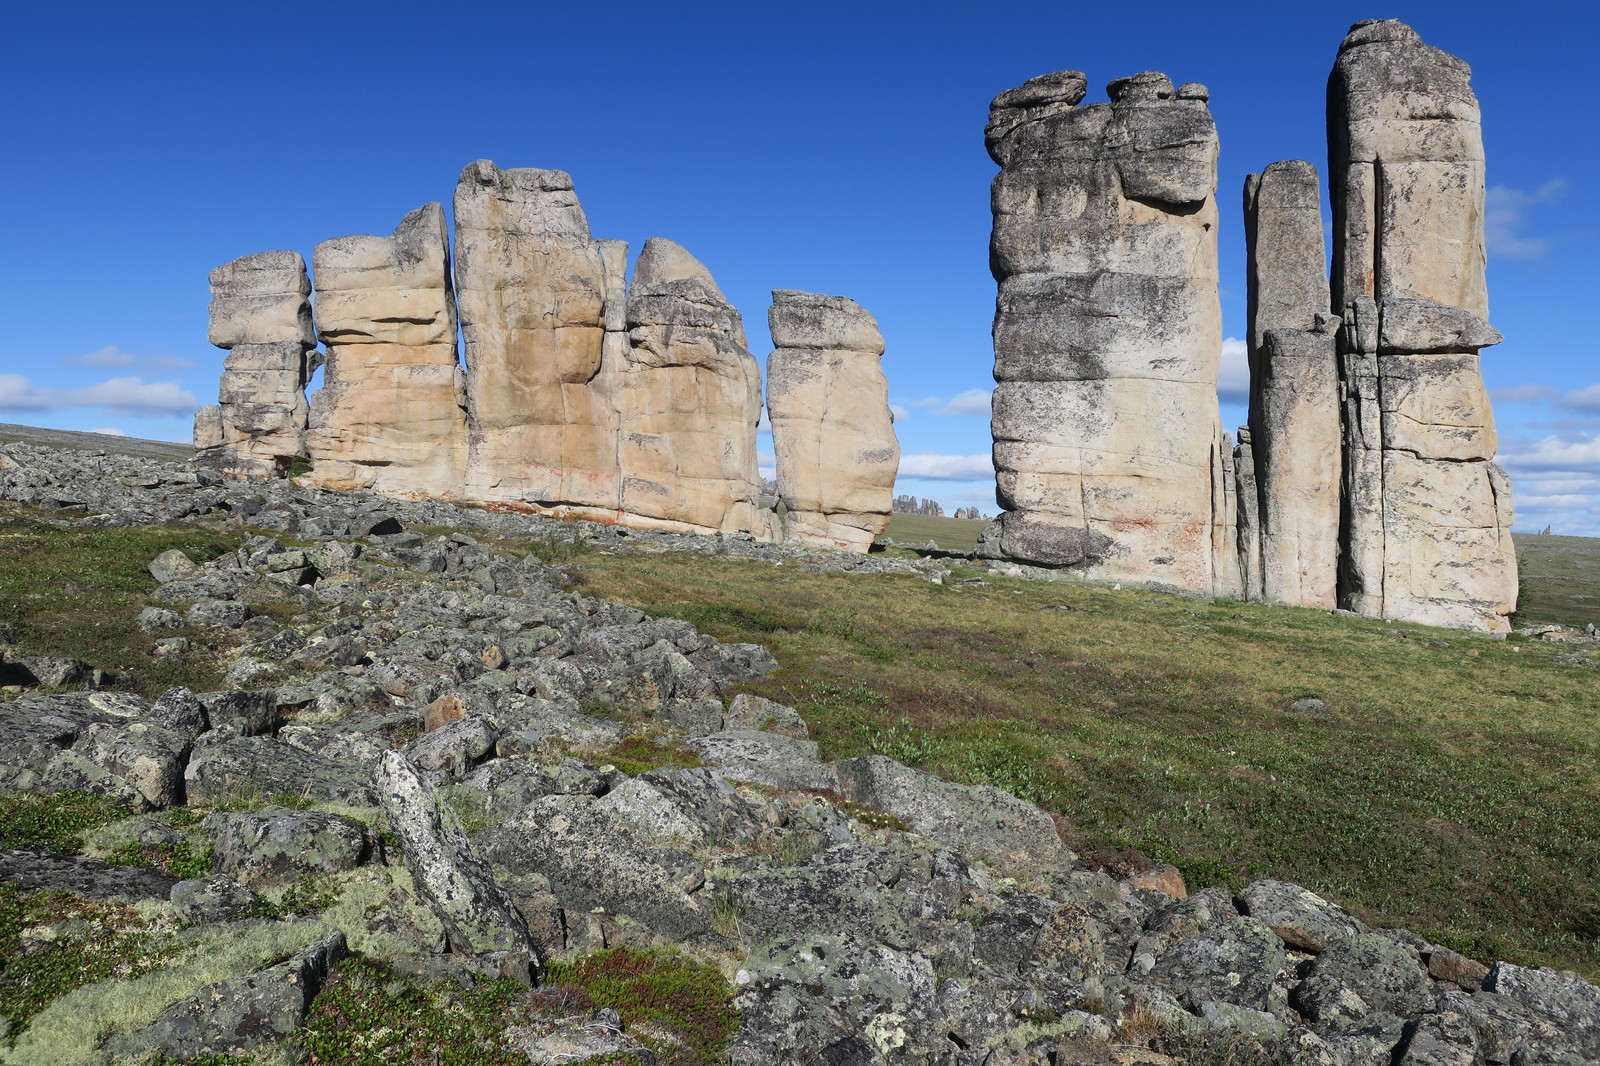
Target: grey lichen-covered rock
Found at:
x=1235, y=961
x=693, y=807
x=42, y=870
x=770, y=759
x=754, y=712
x=213, y=899
x=594, y=860
x=1447, y=1038
x=256, y=767
x=172, y=565
x=1428, y=514
x=842, y=891
x=1361, y=974
x=277, y=845
x=976, y=819
x=1570, y=1004
x=832, y=431
x=241, y=1014
x=1302, y=918
x=449, y=875
x=1107, y=446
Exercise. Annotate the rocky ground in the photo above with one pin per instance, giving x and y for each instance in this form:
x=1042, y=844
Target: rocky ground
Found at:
x=435, y=761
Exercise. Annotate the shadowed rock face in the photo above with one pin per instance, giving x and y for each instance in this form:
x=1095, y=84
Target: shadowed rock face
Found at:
x=688, y=401
x=260, y=313
x=531, y=286
x=1294, y=436
x=391, y=413
x=1108, y=450
x=1427, y=515
x=831, y=427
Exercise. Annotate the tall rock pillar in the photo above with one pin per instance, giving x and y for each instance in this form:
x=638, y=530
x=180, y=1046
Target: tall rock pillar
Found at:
x=531, y=287
x=688, y=400
x=1426, y=514
x=260, y=313
x=1294, y=435
x=1107, y=332
x=391, y=413
x=831, y=427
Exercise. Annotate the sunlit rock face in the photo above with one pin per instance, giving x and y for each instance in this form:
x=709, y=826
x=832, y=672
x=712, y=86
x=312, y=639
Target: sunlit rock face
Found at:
x=260, y=312
x=688, y=402
x=832, y=430
x=1108, y=449
x=531, y=287
x=391, y=413
x=1427, y=515
x=1293, y=440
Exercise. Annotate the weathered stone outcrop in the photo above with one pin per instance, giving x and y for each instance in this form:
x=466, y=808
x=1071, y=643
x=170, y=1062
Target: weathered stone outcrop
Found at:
x=1107, y=444
x=688, y=400
x=1427, y=515
x=391, y=413
x=260, y=313
x=531, y=286
x=1293, y=442
x=831, y=427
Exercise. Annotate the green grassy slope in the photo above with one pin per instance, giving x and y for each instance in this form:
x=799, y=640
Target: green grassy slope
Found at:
x=1560, y=579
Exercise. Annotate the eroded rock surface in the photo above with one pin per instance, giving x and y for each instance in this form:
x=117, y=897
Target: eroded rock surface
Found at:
x=831, y=428
x=1428, y=514
x=391, y=413
x=1107, y=332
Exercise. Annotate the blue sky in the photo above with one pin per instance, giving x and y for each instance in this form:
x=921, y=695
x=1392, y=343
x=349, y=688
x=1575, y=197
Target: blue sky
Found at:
x=834, y=147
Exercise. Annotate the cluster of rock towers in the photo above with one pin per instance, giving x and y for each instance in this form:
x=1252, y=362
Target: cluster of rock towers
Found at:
x=582, y=393
x=1363, y=480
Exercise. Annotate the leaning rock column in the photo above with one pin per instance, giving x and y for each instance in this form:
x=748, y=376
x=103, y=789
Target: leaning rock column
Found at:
x=831, y=427
x=1107, y=331
x=391, y=413
x=260, y=313
x=1427, y=514
x=689, y=402
x=530, y=284
x=1294, y=388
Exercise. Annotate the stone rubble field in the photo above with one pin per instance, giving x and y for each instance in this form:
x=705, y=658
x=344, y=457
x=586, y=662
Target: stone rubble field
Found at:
x=418, y=761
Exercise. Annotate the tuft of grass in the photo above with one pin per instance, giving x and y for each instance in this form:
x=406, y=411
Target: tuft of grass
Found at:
x=71, y=591
x=1453, y=790
x=54, y=821
x=184, y=860
x=73, y=942
x=636, y=755
x=689, y=1003
x=365, y=1017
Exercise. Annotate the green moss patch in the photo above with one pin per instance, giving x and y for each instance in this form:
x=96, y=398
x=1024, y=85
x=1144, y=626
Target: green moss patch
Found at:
x=55, y=821
x=636, y=755
x=681, y=1009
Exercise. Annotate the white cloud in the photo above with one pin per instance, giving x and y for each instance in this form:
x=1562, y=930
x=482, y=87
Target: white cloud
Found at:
x=168, y=362
x=110, y=355
x=900, y=413
x=1524, y=394
x=1585, y=400
x=1553, y=455
x=110, y=431
x=1505, y=215
x=126, y=396
x=1233, y=376
x=946, y=467
x=971, y=402
x=926, y=401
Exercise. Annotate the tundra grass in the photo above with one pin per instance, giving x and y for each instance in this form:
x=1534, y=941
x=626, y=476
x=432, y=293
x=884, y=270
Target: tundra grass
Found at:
x=76, y=592
x=951, y=534
x=1452, y=788
x=1560, y=579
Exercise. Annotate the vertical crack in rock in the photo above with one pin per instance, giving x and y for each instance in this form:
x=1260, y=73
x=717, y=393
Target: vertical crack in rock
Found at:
x=831, y=427
x=1293, y=438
